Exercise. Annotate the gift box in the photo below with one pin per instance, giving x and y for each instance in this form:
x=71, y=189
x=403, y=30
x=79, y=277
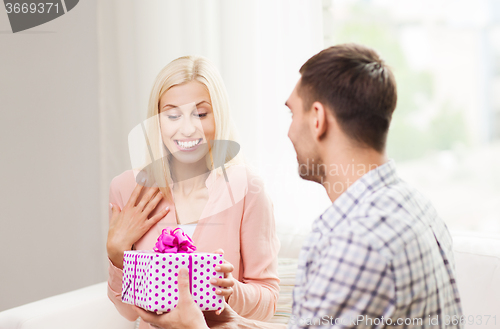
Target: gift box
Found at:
x=150, y=279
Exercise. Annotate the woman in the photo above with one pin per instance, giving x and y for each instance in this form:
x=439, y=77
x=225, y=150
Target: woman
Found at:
x=218, y=201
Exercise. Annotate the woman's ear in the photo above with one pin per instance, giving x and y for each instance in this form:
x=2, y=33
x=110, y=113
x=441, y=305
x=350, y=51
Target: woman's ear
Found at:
x=318, y=120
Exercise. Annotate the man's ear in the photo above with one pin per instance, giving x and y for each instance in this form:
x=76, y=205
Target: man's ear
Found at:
x=319, y=120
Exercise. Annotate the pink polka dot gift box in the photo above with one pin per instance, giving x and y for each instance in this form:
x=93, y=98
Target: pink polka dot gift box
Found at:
x=150, y=276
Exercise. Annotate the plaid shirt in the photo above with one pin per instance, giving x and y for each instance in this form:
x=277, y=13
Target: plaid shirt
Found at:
x=379, y=256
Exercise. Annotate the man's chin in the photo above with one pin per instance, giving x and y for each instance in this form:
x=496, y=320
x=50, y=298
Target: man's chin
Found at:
x=311, y=170
x=316, y=179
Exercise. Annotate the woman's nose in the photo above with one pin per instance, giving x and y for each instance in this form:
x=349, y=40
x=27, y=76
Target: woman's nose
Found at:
x=188, y=126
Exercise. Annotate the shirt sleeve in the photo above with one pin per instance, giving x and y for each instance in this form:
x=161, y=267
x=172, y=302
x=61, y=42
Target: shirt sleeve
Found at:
x=349, y=286
x=255, y=297
x=116, y=274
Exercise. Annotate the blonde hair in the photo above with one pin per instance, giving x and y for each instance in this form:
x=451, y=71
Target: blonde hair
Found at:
x=179, y=71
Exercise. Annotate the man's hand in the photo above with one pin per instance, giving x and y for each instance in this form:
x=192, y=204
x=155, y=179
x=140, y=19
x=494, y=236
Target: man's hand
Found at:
x=185, y=315
x=228, y=319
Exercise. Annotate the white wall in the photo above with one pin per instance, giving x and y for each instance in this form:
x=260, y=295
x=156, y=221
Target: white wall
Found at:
x=69, y=97
x=50, y=231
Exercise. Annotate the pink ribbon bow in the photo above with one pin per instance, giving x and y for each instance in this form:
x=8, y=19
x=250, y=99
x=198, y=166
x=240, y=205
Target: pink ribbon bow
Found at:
x=174, y=241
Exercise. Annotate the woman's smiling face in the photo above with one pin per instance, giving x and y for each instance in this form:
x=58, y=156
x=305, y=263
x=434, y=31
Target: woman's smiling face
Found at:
x=187, y=121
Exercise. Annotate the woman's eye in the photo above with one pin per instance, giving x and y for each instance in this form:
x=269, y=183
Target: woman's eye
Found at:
x=200, y=115
x=170, y=116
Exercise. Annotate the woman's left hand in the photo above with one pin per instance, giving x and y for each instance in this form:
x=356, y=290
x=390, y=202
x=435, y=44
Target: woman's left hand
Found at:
x=227, y=282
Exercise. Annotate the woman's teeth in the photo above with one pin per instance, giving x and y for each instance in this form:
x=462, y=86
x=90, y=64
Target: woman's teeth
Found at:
x=187, y=145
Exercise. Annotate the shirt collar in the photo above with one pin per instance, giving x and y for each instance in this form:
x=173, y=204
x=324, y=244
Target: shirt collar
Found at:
x=367, y=184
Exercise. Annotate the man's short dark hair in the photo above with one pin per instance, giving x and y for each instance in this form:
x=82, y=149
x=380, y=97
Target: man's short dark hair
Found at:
x=354, y=82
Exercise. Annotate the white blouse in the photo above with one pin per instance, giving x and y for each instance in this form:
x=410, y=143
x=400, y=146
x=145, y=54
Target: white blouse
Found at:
x=188, y=229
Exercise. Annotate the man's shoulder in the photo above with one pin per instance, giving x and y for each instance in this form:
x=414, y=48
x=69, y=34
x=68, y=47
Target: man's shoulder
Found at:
x=389, y=219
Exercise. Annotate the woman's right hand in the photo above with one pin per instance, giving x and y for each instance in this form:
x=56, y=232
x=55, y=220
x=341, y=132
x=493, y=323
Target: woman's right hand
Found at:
x=129, y=224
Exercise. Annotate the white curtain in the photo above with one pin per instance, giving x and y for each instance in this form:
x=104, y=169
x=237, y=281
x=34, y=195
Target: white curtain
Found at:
x=258, y=47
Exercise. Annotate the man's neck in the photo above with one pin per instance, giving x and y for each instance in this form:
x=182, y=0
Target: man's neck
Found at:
x=343, y=171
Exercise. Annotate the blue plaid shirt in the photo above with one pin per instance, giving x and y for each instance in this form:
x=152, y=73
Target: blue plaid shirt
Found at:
x=378, y=257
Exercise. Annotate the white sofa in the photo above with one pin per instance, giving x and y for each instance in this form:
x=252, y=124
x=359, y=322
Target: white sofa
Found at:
x=478, y=275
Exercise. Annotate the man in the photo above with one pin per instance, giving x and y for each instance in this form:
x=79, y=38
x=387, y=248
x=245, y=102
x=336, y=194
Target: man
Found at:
x=379, y=256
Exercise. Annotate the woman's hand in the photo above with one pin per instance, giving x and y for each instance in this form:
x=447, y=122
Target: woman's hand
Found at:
x=128, y=225
x=227, y=283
